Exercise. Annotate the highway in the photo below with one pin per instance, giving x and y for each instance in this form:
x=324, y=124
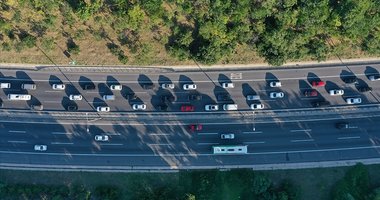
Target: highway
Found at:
x=288, y=130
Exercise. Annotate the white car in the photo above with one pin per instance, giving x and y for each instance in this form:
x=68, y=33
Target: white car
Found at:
x=40, y=147
x=116, y=87
x=354, y=100
x=75, y=97
x=59, y=86
x=257, y=106
x=101, y=138
x=211, y=107
x=103, y=109
x=139, y=106
x=227, y=136
x=275, y=95
x=5, y=85
x=336, y=92
x=24, y=97
x=189, y=87
x=275, y=84
x=374, y=78
x=228, y=85
x=167, y=85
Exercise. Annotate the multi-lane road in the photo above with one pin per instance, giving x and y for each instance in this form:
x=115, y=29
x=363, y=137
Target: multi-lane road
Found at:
x=288, y=130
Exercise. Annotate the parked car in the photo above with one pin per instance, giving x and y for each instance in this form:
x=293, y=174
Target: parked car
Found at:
x=58, y=86
x=318, y=83
x=211, y=107
x=274, y=95
x=195, y=127
x=23, y=97
x=187, y=108
x=253, y=97
x=195, y=97
x=108, y=97
x=228, y=85
x=320, y=103
x=40, y=147
x=364, y=89
x=167, y=86
x=75, y=97
x=26, y=86
x=257, y=106
x=5, y=85
x=275, y=84
x=311, y=93
x=223, y=97
x=189, y=87
x=101, y=138
x=103, y=109
x=350, y=80
x=374, y=77
x=116, y=87
x=139, y=107
x=356, y=100
x=338, y=92
x=227, y=136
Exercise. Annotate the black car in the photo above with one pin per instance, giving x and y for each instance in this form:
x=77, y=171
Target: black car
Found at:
x=169, y=98
x=351, y=80
x=72, y=108
x=365, y=89
x=223, y=97
x=195, y=97
x=147, y=86
x=320, y=103
x=342, y=125
x=89, y=87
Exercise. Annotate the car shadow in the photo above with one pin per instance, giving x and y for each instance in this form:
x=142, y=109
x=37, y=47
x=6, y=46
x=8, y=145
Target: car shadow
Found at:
x=83, y=81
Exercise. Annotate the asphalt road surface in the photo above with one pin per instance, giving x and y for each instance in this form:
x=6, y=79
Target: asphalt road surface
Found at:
x=150, y=141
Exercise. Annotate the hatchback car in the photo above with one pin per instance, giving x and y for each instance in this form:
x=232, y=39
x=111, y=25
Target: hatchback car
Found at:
x=354, y=100
x=195, y=127
x=374, y=77
x=101, y=138
x=338, y=92
x=275, y=84
x=139, y=107
x=187, y=108
x=58, y=86
x=103, y=109
x=167, y=86
x=310, y=93
x=257, y=106
x=116, y=87
x=364, y=89
x=75, y=97
x=318, y=83
x=189, y=87
x=211, y=107
x=275, y=95
x=228, y=85
x=227, y=136
x=40, y=147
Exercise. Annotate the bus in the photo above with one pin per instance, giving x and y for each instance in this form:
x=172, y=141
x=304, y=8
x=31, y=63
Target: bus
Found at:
x=230, y=149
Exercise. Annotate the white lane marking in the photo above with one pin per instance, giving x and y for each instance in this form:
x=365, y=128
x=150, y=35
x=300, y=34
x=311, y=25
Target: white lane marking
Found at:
x=259, y=142
x=207, y=143
x=268, y=100
x=300, y=130
x=16, y=131
x=112, y=133
x=159, y=134
x=160, y=144
x=96, y=92
x=208, y=133
x=17, y=141
x=52, y=101
x=62, y=143
x=110, y=144
x=61, y=133
x=347, y=138
x=54, y=91
x=252, y=132
x=305, y=140
x=308, y=98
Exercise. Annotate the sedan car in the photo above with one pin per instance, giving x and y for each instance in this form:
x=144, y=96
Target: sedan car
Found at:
x=187, y=108
x=211, y=107
x=101, y=138
x=40, y=147
x=58, y=86
x=116, y=87
x=195, y=127
x=364, y=89
x=227, y=136
x=167, y=86
x=336, y=92
x=139, y=107
x=257, y=106
x=103, y=109
x=318, y=83
x=354, y=100
x=310, y=93
x=275, y=84
x=228, y=85
x=75, y=97
x=374, y=77
x=189, y=87
x=275, y=95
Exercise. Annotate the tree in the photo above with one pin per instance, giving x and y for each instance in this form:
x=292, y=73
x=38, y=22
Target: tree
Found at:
x=260, y=184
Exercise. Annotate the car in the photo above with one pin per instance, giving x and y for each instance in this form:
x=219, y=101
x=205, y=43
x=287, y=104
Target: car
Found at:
x=5, y=85
x=228, y=85
x=342, y=125
x=147, y=86
x=195, y=97
x=374, y=77
x=320, y=103
x=58, y=86
x=350, y=80
x=356, y=100
x=116, y=87
x=211, y=107
x=29, y=86
x=168, y=98
x=37, y=107
x=89, y=86
x=72, y=108
x=275, y=84
x=336, y=92
x=24, y=97
x=103, y=109
x=108, y=97
x=257, y=106
x=139, y=107
x=195, y=127
x=253, y=97
x=162, y=107
x=131, y=96
x=275, y=95
x=189, y=87
x=364, y=89
x=101, y=138
x=187, y=108
x=40, y=147
x=227, y=136
x=318, y=83
x=75, y=97
x=310, y=93
x=223, y=97
x=167, y=86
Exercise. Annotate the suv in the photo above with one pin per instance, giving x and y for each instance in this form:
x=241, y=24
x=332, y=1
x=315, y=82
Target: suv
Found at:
x=223, y=97
x=350, y=80
x=58, y=86
x=195, y=97
x=320, y=103
x=147, y=86
x=116, y=87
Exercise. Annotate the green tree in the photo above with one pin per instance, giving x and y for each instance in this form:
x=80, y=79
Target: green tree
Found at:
x=260, y=184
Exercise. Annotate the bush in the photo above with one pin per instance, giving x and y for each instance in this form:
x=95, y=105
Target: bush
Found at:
x=72, y=47
x=6, y=46
x=106, y=192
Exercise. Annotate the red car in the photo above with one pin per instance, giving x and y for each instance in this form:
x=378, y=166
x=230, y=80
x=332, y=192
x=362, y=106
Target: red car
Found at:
x=318, y=83
x=311, y=93
x=187, y=108
x=195, y=127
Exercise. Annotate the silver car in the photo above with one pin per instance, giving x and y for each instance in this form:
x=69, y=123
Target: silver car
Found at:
x=58, y=86
x=139, y=107
x=211, y=107
x=336, y=92
x=40, y=147
x=275, y=95
x=354, y=100
x=103, y=109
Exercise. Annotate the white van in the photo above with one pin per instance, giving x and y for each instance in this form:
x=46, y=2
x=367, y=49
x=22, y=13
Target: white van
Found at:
x=29, y=86
x=230, y=106
x=24, y=97
x=108, y=97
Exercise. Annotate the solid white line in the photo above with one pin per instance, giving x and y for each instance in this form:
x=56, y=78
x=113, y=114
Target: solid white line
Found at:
x=300, y=130
x=252, y=132
x=347, y=138
x=17, y=131
x=207, y=143
x=208, y=133
x=110, y=144
x=306, y=140
x=61, y=133
x=62, y=143
x=159, y=134
x=14, y=141
x=260, y=142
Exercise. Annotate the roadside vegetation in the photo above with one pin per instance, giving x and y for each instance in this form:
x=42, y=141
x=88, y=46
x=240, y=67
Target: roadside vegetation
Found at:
x=180, y=32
